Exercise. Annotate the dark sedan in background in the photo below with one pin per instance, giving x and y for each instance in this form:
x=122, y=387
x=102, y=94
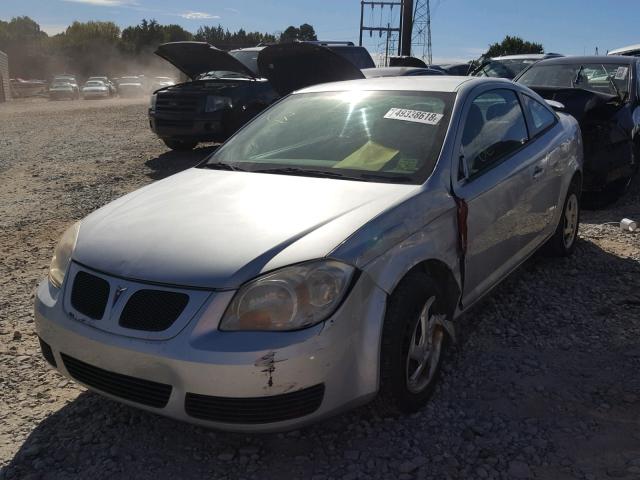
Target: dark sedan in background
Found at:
x=602, y=93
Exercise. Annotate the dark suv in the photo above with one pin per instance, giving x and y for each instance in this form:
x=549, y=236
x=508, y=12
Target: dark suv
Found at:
x=227, y=89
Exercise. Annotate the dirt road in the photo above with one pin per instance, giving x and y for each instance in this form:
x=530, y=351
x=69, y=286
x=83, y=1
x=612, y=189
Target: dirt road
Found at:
x=543, y=383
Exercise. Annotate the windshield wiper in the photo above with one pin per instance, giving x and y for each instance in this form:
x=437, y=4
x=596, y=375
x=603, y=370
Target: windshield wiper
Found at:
x=222, y=166
x=360, y=177
x=576, y=80
x=308, y=173
x=615, y=88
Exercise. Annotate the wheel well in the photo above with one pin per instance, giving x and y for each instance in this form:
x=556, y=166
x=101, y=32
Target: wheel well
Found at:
x=444, y=278
x=577, y=178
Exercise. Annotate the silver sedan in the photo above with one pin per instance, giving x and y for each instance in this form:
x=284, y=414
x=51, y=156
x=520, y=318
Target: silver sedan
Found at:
x=319, y=258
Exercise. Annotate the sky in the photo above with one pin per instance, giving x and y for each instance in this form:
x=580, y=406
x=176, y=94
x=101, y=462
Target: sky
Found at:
x=461, y=29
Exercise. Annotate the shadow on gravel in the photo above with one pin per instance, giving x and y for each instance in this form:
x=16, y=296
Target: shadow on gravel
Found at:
x=173, y=161
x=544, y=383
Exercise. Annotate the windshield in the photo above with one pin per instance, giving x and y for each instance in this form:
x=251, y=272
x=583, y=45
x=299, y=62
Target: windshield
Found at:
x=609, y=78
x=249, y=58
x=363, y=135
x=504, y=68
x=94, y=84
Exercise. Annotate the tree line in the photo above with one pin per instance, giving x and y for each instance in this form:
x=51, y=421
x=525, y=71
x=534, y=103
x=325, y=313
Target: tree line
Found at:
x=102, y=48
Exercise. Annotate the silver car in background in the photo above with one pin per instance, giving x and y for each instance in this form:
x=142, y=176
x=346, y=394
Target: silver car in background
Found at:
x=319, y=258
x=95, y=89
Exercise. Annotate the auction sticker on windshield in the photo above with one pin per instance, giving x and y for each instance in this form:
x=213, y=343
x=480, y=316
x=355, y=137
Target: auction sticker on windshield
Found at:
x=418, y=116
x=621, y=73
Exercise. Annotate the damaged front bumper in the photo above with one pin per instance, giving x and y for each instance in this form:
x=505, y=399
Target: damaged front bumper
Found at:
x=237, y=381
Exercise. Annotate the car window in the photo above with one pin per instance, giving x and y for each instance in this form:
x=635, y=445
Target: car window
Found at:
x=397, y=136
x=608, y=78
x=494, y=128
x=540, y=115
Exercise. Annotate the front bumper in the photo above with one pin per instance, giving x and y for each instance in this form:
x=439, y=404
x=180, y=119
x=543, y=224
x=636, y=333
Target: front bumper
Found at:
x=336, y=362
x=202, y=127
x=89, y=95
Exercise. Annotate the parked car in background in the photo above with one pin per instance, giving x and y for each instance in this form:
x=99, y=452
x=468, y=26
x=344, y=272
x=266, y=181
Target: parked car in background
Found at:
x=65, y=79
x=229, y=88
x=629, y=51
x=454, y=69
x=61, y=90
x=95, y=89
x=21, y=88
x=602, y=93
x=319, y=258
x=399, y=72
x=509, y=66
x=131, y=86
x=108, y=82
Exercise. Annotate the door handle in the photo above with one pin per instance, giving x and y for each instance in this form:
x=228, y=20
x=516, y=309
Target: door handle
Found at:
x=537, y=171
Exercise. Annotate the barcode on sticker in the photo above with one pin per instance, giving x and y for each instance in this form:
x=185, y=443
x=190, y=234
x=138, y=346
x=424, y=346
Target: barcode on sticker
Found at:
x=621, y=73
x=418, y=116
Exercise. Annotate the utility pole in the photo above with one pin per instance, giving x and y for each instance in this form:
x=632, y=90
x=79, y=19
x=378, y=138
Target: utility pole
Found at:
x=379, y=29
x=406, y=28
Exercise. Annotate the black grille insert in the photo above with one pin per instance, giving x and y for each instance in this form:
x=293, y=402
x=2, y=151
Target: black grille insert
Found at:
x=275, y=408
x=90, y=295
x=153, y=310
x=47, y=353
x=135, y=389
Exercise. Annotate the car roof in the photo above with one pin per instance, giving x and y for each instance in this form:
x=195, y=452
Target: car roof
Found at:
x=588, y=59
x=426, y=83
x=629, y=48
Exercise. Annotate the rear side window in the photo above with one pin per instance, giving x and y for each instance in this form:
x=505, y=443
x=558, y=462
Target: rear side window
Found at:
x=541, y=117
x=358, y=56
x=495, y=128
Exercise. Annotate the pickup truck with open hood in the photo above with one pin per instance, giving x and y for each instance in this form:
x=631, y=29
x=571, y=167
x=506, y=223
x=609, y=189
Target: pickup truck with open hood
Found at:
x=227, y=89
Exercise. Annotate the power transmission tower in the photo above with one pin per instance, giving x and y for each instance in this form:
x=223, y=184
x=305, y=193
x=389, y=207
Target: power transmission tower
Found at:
x=421, y=40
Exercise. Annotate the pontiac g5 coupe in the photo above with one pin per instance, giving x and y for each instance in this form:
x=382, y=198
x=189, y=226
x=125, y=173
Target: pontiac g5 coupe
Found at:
x=319, y=258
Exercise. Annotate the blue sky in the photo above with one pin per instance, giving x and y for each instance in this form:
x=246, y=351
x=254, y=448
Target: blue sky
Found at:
x=462, y=29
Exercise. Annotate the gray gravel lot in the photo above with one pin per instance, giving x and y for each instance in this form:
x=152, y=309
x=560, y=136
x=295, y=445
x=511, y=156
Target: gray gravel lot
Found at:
x=544, y=381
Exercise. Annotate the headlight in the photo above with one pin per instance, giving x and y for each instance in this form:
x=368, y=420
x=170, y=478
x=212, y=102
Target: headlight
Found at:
x=215, y=103
x=154, y=99
x=289, y=299
x=62, y=255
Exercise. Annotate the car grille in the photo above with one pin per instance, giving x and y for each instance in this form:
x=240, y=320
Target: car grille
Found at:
x=176, y=104
x=134, y=389
x=275, y=408
x=89, y=295
x=47, y=353
x=153, y=310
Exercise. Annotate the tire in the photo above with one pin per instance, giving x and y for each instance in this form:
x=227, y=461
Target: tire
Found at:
x=415, y=298
x=180, y=145
x=563, y=241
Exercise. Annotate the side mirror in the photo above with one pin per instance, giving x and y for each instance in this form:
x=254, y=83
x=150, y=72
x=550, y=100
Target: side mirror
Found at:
x=557, y=106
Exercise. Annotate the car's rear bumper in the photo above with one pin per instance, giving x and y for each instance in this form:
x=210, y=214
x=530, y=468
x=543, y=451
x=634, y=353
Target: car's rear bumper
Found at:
x=240, y=381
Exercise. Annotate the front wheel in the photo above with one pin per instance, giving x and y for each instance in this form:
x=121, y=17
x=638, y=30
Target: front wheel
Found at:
x=563, y=242
x=413, y=342
x=180, y=145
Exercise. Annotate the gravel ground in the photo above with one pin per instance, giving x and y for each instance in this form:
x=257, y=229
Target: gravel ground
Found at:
x=543, y=382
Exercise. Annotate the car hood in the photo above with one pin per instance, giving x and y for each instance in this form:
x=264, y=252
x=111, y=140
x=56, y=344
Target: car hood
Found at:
x=218, y=229
x=292, y=66
x=195, y=58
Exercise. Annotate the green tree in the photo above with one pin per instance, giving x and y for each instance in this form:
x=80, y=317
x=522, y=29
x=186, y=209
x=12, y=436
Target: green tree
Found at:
x=513, y=46
x=24, y=42
x=291, y=34
x=306, y=32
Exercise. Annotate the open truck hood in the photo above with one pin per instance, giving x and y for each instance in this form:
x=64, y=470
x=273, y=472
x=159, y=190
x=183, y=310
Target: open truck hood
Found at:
x=292, y=66
x=196, y=58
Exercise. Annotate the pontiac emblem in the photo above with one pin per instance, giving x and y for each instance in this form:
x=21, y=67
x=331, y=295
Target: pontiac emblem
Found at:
x=119, y=292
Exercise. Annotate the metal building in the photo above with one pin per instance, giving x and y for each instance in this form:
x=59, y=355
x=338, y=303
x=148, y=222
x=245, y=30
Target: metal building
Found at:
x=4, y=78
